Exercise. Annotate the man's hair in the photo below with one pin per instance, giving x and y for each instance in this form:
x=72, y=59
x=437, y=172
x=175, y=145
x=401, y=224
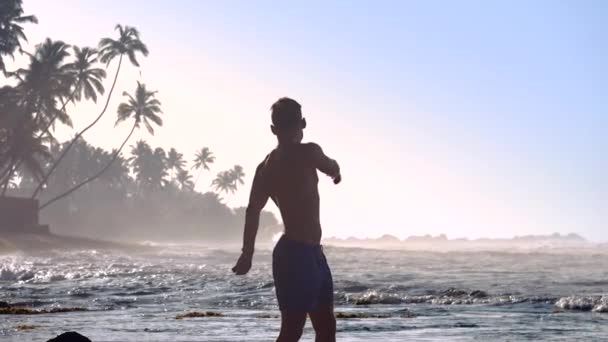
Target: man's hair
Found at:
x=286, y=113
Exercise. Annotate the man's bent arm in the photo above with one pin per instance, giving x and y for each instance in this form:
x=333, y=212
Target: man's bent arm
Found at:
x=257, y=201
x=322, y=162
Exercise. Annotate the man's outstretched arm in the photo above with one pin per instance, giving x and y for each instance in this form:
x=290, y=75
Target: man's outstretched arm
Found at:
x=257, y=201
x=325, y=164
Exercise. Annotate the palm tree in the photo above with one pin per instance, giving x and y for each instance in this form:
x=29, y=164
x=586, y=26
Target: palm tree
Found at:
x=143, y=108
x=185, y=180
x=202, y=159
x=48, y=80
x=34, y=100
x=28, y=148
x=237, y=175
x=224, y=181
x=139, y=152
x=128, y=44
x=12, y=117
x=157, y=170
x=175, y=162
x=87, y=78
x=11, y=31
x=117, y=176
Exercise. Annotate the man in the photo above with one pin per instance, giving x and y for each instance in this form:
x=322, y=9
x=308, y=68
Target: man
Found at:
x=288, y=175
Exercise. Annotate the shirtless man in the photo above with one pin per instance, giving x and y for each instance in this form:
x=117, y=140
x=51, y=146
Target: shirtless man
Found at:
x=288, y=175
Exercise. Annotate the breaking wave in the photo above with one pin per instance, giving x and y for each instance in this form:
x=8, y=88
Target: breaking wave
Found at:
x=584, y=303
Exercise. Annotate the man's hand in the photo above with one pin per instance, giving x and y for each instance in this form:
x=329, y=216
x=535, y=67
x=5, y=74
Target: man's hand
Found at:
x=243, y=265
x=337, y=179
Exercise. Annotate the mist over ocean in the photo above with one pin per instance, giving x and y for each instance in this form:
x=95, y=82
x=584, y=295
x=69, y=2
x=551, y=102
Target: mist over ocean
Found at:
x=382, y=295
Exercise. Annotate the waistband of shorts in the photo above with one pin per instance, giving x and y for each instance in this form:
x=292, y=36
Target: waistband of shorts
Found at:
x=298, y=243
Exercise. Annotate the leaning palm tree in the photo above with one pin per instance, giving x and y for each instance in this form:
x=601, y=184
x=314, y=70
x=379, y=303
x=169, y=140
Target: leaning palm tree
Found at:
x=143, y=108
x=175, y=162
x=11, y=31
x=203, y=158
x=129, y=44
x=224, y=182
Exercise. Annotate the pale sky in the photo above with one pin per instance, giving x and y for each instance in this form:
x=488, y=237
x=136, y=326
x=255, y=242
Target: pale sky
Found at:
x=469, y=118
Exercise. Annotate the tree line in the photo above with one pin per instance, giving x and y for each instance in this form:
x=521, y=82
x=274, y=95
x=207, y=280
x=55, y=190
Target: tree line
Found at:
x=81, y=186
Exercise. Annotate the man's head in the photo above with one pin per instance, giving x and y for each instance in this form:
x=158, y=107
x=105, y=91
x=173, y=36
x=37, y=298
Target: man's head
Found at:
x=287, y=120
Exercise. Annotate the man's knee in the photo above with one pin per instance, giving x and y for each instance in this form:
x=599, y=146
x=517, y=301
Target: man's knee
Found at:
x=292, y=326
x=292, y=334
x=325, y=331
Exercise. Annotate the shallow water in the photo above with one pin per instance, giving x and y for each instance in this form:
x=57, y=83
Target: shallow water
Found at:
x=420, y=296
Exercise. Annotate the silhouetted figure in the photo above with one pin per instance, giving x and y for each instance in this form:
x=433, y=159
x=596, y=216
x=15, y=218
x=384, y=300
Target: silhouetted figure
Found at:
x=288, y=175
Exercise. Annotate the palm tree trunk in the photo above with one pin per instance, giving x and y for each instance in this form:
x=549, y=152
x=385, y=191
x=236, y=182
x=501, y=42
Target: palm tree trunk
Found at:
x=67, y=148
x=7, y=181
x=197, y=177
x=5, y=173
x=95, y=176
x=48, y=126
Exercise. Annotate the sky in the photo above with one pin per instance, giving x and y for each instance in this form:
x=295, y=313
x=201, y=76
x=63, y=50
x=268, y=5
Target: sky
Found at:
x=468, y=118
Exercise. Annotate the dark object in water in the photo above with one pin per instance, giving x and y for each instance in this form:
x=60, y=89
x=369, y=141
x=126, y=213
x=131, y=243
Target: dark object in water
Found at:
x=20, y=310
x=478, y=294
x=195, y=314
x=452, y=292
x=342, y=315
x=70, y=336
x=26, y=327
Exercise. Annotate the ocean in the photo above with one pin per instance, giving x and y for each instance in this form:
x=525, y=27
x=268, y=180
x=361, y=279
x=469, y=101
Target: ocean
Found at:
x=382, y=295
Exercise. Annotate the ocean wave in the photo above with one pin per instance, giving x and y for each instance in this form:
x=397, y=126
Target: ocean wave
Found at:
x=584, y=303
x=448, y=297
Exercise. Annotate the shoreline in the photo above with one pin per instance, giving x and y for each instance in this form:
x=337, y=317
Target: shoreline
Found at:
x=11, y=242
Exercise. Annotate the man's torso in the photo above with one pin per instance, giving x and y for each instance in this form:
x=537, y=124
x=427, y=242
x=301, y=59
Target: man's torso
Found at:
x=291, y=180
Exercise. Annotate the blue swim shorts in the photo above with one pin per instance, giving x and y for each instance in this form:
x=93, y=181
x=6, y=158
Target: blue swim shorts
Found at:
x=302, y=277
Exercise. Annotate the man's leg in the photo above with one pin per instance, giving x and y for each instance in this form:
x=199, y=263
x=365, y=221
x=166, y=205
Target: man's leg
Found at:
x=292, y=325
x=324, y=322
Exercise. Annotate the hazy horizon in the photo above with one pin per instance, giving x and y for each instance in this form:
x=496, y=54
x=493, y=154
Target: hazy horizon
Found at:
x=482, y=120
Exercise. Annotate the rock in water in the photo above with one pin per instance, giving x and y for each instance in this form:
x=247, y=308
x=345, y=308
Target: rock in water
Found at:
x=478, y=294
x=71, y=336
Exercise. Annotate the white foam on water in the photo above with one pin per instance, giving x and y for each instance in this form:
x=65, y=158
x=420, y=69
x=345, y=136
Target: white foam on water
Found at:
x=584, y=303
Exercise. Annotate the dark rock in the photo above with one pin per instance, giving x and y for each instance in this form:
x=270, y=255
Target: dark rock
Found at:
x=4, y=305
x=71, y=336
x=452, y=292
x=266, y=316
x=195, y=314
x=342, y=315
x=26, y=327
x=478, y=294
x=20, y=310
